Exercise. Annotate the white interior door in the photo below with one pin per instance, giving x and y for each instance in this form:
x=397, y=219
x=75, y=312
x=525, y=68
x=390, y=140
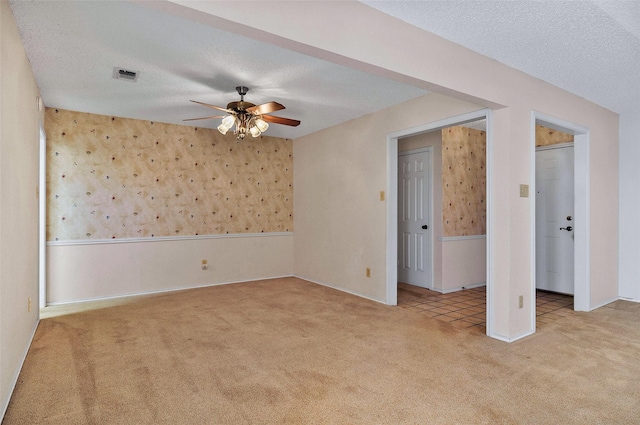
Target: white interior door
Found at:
x=414, y=218
x=554, y=219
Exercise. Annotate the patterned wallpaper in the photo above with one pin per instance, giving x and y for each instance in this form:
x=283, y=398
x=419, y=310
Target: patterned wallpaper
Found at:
x=463, y=181
x=547, y=136
x=112, y=178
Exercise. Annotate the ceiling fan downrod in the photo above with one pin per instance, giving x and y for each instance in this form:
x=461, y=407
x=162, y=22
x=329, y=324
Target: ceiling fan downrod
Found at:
x=242, y=90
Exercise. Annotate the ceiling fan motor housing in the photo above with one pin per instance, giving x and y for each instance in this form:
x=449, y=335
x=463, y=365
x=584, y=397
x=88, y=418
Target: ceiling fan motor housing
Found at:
x=239, y=106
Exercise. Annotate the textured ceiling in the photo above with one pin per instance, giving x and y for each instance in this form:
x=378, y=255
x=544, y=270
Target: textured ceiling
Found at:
x=73, y=47
x=590, y=48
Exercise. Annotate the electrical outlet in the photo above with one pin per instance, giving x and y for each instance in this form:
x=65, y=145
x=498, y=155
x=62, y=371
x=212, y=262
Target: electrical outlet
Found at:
x=382, y=196
x=524, y=190
x=205, y=266
x=29, y=305
x=521, y=301
x=368, y=272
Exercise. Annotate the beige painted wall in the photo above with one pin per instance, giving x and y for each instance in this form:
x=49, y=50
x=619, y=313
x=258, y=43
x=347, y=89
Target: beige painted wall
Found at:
x=340, y=221
x=464, y=263
x=356, y=41
x=19, y=150
x=80, y=272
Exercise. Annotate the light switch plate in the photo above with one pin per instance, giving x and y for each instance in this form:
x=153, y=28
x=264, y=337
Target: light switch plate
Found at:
x=382, y=197
x=524, y=190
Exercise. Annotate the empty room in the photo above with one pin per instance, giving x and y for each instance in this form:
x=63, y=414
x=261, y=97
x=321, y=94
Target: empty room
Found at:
x=363, y=212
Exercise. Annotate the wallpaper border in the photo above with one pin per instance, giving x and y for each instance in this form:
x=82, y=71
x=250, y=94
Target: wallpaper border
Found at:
x=165, y=238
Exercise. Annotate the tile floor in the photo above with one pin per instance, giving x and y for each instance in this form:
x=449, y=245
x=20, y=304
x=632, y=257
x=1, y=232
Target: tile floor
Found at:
x=467, y=308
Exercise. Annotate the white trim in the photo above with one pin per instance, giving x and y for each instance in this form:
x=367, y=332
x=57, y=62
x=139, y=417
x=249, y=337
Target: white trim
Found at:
x=490, y=317
x=461, y=238
x=511, y=339
x=532, y=223
x=42, y=219
x=356, y=294
x=161, y=291
x=165, y=238
x=437, y=125
x=431, y=241
x=556, y=146
x=16, y=373
x=391, y=292
x=633, y=300
x=392, y=201
x=460, y=288
x=412, y=151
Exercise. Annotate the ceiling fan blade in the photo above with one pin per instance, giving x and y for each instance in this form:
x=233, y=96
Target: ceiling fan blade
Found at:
x=210, y=106
x=280, y=120
x=265, y=108
x=205, y=118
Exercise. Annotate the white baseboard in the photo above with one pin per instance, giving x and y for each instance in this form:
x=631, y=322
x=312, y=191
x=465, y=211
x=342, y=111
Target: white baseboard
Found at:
x=633, y=300
x=511, y=339
x=16, y=374
x=602, y=304
x=461, y=288
x=340, y=289
x=87, y=302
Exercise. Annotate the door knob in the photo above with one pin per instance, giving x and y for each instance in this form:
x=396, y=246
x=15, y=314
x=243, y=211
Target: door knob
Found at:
x=568, y=228
x=425, y=227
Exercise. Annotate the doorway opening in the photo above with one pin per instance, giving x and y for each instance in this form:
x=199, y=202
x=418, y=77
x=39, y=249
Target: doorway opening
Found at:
x=560, y=246
x=442, y=213
x=554, y=199
x=453, y=230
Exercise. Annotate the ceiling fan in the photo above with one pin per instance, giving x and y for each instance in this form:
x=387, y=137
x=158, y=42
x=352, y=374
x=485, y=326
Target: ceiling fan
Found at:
x=247, y=117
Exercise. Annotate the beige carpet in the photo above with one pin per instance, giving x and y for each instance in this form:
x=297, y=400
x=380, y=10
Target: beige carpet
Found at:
x=286, y=351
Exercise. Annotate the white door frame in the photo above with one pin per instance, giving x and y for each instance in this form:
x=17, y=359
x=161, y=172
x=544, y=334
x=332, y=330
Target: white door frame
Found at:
x=582, y=260
x=42, y=221
x=428, y=149
x=392, y=203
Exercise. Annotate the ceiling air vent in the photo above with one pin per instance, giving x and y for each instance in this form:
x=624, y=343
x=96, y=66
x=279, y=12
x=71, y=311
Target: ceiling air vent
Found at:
x=125, y=74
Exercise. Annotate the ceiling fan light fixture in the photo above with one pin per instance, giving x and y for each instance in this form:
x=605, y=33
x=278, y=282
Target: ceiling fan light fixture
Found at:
x=247, y=117
x=261, y=124
x=227, y=123
x=255, y=131
x=222, y=129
